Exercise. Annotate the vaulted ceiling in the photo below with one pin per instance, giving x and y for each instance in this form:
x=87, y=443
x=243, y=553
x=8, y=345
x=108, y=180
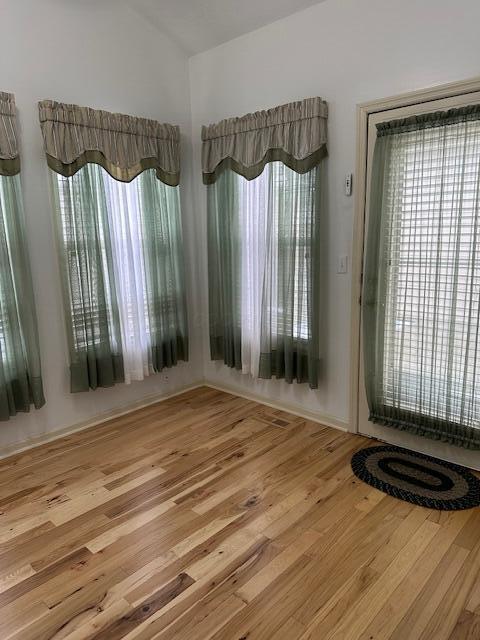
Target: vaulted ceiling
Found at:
x=198, y=25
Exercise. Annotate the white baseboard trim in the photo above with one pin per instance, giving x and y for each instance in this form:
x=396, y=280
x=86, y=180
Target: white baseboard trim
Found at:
x=322, y=418
x=20, y=447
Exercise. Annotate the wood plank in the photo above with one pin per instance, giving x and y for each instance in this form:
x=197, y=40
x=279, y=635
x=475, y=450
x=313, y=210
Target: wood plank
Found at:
x=210, y=516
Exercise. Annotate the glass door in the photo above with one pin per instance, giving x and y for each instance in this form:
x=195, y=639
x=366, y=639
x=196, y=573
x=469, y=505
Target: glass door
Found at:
x=425, y=372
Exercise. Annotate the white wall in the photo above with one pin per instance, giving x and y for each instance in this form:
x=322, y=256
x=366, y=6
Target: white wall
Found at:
x=102, y=55
x=346, y=51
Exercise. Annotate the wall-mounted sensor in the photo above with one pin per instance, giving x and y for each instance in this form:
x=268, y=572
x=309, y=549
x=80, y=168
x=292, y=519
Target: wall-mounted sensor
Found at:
x=348, y=184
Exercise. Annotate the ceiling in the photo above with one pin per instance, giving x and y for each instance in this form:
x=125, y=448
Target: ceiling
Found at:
x=198, y=25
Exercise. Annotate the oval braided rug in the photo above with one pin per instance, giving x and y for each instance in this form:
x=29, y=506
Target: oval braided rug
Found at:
x=417, y=478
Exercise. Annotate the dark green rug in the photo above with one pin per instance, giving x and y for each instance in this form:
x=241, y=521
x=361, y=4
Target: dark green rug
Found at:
x=417, y=478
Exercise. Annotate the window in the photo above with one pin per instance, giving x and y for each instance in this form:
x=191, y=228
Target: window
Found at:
x=262, y=172
x=115, y=184
x=20, y=370
x=264, y=236
x=123, y=265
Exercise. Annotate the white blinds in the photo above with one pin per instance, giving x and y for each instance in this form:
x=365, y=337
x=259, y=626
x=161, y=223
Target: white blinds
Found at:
x=431, y=253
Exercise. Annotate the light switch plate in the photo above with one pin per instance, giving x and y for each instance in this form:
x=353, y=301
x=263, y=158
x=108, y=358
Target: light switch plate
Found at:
x=348, y=184
x=342, y=266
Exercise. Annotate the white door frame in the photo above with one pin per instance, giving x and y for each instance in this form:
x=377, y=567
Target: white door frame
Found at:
x=364, y=110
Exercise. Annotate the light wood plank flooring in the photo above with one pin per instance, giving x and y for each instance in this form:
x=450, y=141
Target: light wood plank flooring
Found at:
x=208, y=516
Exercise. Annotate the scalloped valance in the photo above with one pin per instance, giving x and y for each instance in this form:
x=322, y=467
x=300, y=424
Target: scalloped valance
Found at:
x=294, y=133
x=123, y=145
x=9, y=154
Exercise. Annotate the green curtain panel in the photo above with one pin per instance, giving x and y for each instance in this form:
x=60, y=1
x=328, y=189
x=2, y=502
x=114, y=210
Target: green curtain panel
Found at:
x=263, y=174
x=89, y=280
x=291, y=280
x=164, y=271
x=119, y=230
x=421, y=298
x=224, y=269
x=20, y=370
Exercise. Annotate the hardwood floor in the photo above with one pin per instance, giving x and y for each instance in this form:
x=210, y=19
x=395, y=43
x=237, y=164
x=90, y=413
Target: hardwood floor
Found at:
x=208, y=516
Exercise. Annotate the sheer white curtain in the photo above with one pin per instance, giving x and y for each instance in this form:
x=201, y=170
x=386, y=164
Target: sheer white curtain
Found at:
x=274, y=228
x=124, y=215
x=254, y=201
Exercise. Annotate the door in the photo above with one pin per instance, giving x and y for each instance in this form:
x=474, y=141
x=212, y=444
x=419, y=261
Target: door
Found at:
x=392, y=435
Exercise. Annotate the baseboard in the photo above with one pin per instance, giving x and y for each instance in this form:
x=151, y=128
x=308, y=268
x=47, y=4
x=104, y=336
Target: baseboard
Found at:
x=322, y=418
x=19, y=447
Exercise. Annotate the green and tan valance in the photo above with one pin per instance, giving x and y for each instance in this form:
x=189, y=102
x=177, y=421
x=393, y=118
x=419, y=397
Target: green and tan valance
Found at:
x=294, y=133
x=123, y=145
x=9, y=154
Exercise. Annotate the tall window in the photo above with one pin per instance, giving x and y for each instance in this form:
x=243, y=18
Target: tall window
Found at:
x=423, y=322
x=263, y=232
x=120, y=243
x=133, y=289
x=20, y=371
